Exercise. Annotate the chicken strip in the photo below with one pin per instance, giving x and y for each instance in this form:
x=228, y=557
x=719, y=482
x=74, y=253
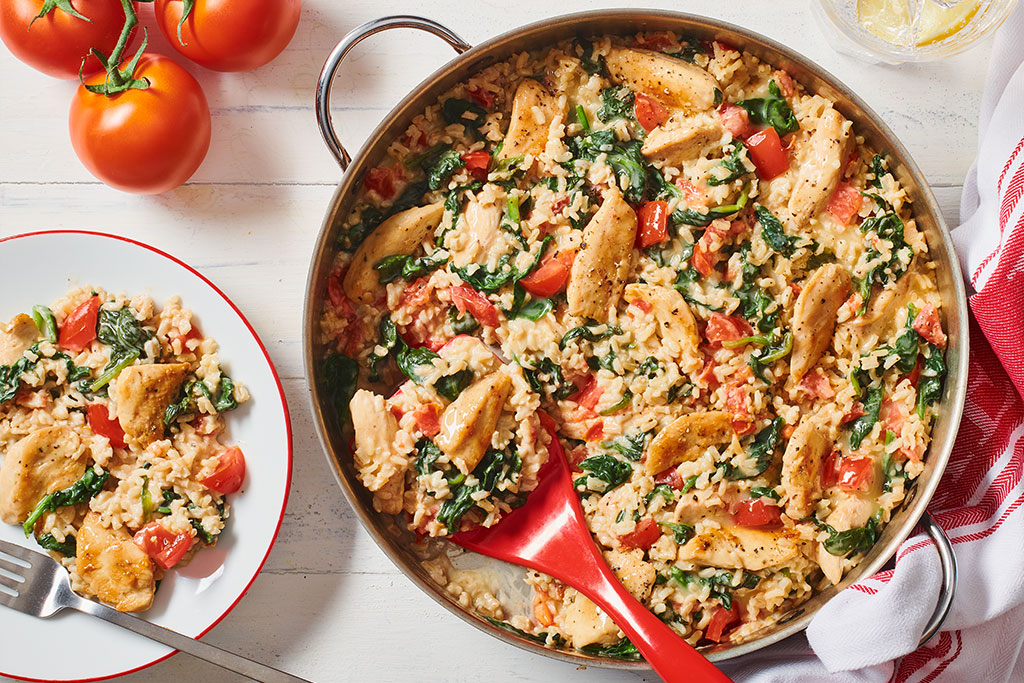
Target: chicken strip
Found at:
x=113, y=568
x=676, y=323
x=814, y=317
x=47, y=460
x=379, y=465
x=681, y=138
x=671, y=81
x=141, y=394
x=602, y=264
x=743, y=548
x=801, y=467
x=16, y=337
x=686, y=438
x=401, y=234
x=468, y=422
x=533, y=111
x=820, y=164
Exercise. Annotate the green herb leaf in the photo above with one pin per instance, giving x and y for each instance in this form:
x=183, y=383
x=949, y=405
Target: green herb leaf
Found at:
x=772, y=111
x=45, y=323
x=450, y=386
x=773, y=233
x=82, y=490
x=612, y=471
x=762, y=449
x=616, y=103
x=862, y=426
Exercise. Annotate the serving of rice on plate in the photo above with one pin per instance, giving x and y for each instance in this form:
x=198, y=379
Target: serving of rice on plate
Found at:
x=111, y=412
x=692, y=273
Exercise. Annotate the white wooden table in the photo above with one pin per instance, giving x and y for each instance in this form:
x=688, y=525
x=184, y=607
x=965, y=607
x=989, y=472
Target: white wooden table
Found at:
x=329, y=605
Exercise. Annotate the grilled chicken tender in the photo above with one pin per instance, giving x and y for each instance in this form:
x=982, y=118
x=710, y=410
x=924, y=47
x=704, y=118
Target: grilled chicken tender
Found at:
x=376, y=457
x=482, y=235
x=742, y=548
x=602, y=264
x=16, y=337
x=585, y=623
x=533, y=111
x=141, y=395
x=850, y=512
x=687, y=437
x=801, y=467
x=681, y=138
x=814, y=317
x=401, y=234
x=671, y=81
x=47, y=460
x=468, y=422
x=820, y=162
x=676, y=324
x=113, y=568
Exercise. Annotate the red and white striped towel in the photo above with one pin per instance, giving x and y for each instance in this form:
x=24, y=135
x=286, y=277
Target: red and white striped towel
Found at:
x=869, y=632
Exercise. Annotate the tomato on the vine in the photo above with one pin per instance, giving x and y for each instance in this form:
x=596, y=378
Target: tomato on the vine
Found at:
x=229, y=35
x=56, y=42
x=143, y=140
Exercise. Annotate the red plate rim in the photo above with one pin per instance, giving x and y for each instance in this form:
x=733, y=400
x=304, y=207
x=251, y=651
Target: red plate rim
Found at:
x=287, y=423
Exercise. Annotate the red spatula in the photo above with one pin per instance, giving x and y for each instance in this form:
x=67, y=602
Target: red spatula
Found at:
x=548, y=534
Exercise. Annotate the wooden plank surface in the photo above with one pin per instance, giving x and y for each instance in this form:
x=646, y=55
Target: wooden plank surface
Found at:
x=329, y=605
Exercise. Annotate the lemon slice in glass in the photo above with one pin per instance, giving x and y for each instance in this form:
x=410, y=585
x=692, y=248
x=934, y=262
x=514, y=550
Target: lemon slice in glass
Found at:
x=890, y=20
x=937, y=23
x=915, y=22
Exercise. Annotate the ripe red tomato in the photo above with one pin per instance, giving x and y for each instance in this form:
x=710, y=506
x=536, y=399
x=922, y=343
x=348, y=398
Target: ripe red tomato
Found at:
x=671, y=477
x=230, y=35
x=726, y=328
x=164, y=547
x=927, y=325
x=644, y=536
x=549, y=278
x=755, y=512
x=721, y=620
x=767, y=153
x=855, y=474
x=230, y=472
x=56, y=43
x=845, y=203
x=734, y=119
x=381, y=181
x=483, y=310
x=79, y=328
x=477, y=163
x=649, y=112
x=100, y=423
x=144, y=141
x=427, y=418
x=653, y=218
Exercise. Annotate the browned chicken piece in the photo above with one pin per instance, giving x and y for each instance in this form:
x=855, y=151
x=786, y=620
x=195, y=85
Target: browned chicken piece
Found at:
x=533, y=111
x=820, y=167
x=481, y=224
x=681, y=138
x=141, y=395
x=16, y=337
x=742, y=548
x=468, y=422
x=584, y=623
x=401, y=234
x=675, y=319
x=636, y=574
x=671, y=81
x=814, y=317
x=47, y=460
x=113, y=568
x=880, y=317
x=377, y=463
x=602, y=264
x=686, y=438
x=801, y=467
x=851, y=511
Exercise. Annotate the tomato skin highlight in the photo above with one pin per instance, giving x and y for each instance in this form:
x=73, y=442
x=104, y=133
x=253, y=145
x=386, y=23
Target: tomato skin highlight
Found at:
x=79, y=328
x=100, y=423
x=765, y=149
x=845, y=203
x=653, y=218
x=164, y=547
x=722, y=328
x=928, y=326
x=721, y=620
x=644, y=536
x=427, y=419
x=230, y=35
x=230, y=472
x=549, y=278
x=754, y=512
x=735, y=120
x=56, y=43
x=855, y=474
x=649, y=112
x=143, y=141
x=467, y=299
x=477, y=163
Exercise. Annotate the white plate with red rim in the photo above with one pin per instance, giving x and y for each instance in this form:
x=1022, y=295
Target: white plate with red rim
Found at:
x=38, y=269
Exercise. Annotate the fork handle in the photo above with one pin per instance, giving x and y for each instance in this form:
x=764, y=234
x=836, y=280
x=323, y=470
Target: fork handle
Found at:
x=196, y=648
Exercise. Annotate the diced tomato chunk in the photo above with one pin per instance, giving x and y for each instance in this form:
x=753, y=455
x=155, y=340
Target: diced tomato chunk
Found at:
x=100, y=423
x=644, y=536
x=477, y=163
x=164, y=547
x=855, y=411
x=928, y=326
x=736, y=400
x=735, y=120
x=79, y=328
x=914, y=376
x=754, y=512
x=653, y=219
x=703, y=260
x=550, y=276
x=484, y=98
x=541, y=612
x=643, y=305
x=595, y=432
x=578, y=455
x=892, y=416
x=721, y=620
x=722, y=328
x=468, y=299
x=427, y=418
x=230, y=472
x=692, y=193
x=671, y=477
x=649, y=112
x=766, y=152
x=415, y=295
x=707, y=373
x=830, y=470
x=588, y=394
x=855, y=474
x=785, y=82
x=381, y=181
x=817, y=385
x=845, y=203
x=547, y=423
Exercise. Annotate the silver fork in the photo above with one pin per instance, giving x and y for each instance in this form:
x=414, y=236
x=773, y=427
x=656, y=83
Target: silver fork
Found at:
x=42, y=588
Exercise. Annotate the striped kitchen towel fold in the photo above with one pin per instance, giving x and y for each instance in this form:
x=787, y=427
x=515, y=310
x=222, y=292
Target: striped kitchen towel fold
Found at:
x=869, y=632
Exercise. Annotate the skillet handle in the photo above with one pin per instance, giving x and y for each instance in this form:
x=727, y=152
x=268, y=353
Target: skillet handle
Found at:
x=354, y=37
x=948, y=563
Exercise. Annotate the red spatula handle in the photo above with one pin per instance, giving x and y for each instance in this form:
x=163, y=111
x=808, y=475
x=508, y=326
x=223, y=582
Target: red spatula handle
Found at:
x=658, y=643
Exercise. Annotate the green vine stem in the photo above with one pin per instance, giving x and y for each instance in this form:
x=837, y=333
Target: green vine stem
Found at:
x=63, y=5
x=118, y=80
